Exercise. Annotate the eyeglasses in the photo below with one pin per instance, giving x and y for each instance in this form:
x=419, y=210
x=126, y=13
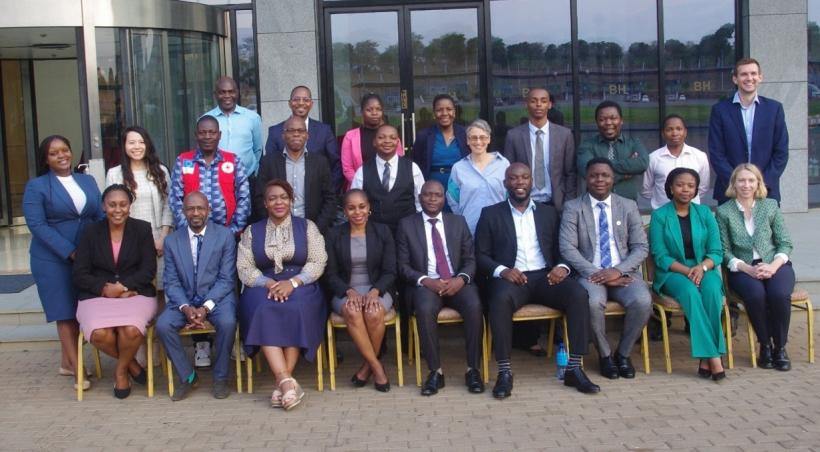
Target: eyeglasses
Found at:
x=478, y=138
x=301, y=99
x=299, y=131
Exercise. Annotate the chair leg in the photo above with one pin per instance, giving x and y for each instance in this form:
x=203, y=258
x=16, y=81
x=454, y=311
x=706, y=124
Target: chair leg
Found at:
x=237, y=351
x=665, y=333
x=249, y=371
x=551, y=339
x=331, y=355
x=410, y=345
x=170, y=374
x=97, y=363
x=150, y=359
x=320, y=384
x=485, y=353
x=751, y=333
x=413, y=337
x=810, y=321
x=398, y=351
x=80, y=370
x=162, y=358
x=645, y=348
x=727, y=325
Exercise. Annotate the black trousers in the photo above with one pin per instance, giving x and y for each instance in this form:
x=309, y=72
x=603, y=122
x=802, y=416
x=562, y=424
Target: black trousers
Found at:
x=768, y=303
x=427, y=305
x=568, y=297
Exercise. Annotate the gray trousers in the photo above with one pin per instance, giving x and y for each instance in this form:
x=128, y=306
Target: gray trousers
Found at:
x=636, y=300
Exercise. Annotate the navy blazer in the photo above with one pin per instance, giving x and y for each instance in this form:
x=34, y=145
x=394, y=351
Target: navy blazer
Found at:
x=321, y=140
x=381, y=258
x=728, y=147
x=136, y=265
x=216, y=278
x=423, y=146
x=53, y=219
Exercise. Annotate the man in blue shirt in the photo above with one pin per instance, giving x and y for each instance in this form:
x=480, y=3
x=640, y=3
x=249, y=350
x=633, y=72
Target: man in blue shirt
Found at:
x=241, y=128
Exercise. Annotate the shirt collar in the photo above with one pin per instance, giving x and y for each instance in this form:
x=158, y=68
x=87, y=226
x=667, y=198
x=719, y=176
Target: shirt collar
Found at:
x=393, y=160
x=534, y=129
x=287, y=156
x=217, y=155
x=530, y=206
x=601, y=138
x=740, y=206
x=191, y=232
x=684, y=150
x=439, y=217
x=736, y=99
x=594, y=202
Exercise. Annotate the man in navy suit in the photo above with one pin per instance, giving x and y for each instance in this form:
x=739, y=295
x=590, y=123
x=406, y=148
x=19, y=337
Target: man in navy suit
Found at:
x=321, y=139
x=748, y=128
x=200, y=279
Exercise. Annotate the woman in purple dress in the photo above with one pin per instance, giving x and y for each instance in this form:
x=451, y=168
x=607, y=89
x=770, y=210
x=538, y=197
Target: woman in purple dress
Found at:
x=282, y=309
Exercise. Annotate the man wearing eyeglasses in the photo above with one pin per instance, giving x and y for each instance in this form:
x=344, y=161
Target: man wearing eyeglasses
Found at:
x=307, y=172
x=321, y=140
x=548, y=149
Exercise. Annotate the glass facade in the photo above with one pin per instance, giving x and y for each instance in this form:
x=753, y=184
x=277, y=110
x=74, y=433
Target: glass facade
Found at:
x=246, y=59
x=813, y=31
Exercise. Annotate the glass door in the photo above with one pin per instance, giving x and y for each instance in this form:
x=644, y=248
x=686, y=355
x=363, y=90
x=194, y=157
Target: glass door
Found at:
x=407, y=55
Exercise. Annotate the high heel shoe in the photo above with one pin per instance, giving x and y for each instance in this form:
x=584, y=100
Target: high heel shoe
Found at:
x=357, y=382
x=704, y=373
x=382, y=387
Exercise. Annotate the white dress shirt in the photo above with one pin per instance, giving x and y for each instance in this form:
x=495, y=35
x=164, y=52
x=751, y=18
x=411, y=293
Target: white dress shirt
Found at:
x=75, y=192
x=528, y=256
x=418, y=177
x=193, y=242
x=662, y=162
x=750, y=228
x=614, y=254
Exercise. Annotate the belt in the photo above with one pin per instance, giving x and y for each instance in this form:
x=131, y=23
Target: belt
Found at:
x=440, y=169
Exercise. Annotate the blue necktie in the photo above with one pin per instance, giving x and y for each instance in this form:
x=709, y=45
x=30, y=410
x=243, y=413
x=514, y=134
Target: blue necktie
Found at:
x=603, y=237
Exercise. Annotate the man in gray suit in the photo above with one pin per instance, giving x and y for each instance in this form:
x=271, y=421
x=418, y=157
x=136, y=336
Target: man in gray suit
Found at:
x=603, y=239
x=548, y=149
x=200, y=279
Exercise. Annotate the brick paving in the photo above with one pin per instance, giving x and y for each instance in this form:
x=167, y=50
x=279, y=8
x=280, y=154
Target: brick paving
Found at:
x=752, y=410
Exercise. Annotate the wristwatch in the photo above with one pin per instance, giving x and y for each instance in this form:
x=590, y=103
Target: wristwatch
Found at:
x=293, y=283
x=705, y=269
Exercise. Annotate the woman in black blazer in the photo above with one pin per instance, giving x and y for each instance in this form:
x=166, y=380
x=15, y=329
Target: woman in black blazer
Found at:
x=114, y=272
x=438, y=147
x=360, y=272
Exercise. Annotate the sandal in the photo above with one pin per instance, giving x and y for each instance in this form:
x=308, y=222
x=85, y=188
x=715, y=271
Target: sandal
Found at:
x=276, y=399
x=293, y=396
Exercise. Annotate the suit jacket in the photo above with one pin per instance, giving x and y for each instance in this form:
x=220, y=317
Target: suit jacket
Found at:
x=771, y=236
x=352, y=154
x=136, y=264
x=728, y=147
x=579, y=239
x=216, y=274
x=666, y=241
x=411, y=246
x=321, y=140
x=320, y=196
x=53, y=219
x=563, y=175
x=496, y=243
x=423, y=146
x=381, y=258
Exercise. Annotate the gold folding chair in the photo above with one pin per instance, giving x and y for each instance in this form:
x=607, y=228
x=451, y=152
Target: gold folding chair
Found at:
x=445, y=317
x=531, y=312
x=391, y=318
x=80, y=371
x=320, y=382
x=614, y=309
x=209, y=329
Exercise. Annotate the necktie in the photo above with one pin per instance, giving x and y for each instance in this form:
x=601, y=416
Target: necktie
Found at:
x=198, y=238
x=442, y=268
x=538, y=159
x=603, y=237
x=386, y=177
x=611, y=154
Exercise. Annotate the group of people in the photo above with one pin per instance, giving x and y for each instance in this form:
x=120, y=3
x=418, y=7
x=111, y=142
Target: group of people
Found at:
x=456, y=225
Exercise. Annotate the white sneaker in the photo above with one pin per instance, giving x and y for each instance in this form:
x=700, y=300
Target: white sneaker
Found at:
x=202, y=357
x=241, y=354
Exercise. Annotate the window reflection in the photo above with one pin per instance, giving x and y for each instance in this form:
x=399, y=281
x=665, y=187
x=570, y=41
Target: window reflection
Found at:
x=619, y=62
x=246, y=52
x=149, y=71
x=531, y=46
x=814, y=102
x=112, y=110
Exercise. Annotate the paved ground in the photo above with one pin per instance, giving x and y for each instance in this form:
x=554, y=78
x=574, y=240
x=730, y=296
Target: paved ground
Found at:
x=753, y=409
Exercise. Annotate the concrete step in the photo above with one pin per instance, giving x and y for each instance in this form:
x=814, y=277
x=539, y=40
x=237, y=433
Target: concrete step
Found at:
x=22, y=308
x=29, y=337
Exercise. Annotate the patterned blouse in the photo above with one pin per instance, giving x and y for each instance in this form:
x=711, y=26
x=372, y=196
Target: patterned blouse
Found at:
x=279, y=247
x=149, y=204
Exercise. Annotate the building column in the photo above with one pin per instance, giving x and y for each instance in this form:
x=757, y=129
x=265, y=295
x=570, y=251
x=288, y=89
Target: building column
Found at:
x=776, y=36
x=287, y=45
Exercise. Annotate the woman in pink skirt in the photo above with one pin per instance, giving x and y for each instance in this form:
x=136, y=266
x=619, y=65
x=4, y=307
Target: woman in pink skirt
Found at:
x=114, y=272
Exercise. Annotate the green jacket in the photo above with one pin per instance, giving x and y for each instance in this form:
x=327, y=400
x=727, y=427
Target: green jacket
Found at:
x=771, y=236
x=666, y=242
x=631, y=160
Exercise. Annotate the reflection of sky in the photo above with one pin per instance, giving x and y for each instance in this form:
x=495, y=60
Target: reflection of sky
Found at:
x=382, y=26
x=690, y=20
x=814, y=11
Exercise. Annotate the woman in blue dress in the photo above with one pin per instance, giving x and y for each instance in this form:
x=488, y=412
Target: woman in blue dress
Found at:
x=57, y=206
x=438, y=147
x=282, y=310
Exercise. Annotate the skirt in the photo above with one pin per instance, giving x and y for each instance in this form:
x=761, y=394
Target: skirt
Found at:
x=101, y=312
x=337, y=303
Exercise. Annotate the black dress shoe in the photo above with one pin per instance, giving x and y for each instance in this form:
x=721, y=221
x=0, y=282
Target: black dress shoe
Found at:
x=765, y=360
x=141, y=378
x=435, y=381
x=357, y=382
x=382, y=387
x=473, y=381
x=781, y=359
x=577, y=379
x=608, y=368
x=625, y=367
x=503, y=385
x=703, y=372
x=122, y=393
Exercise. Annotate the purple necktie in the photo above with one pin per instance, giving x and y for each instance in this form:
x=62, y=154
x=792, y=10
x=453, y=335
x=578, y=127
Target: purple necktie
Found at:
x=438, y=247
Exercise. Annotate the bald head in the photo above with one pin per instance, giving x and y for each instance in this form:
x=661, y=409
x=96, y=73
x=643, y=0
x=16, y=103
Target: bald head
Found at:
x=196, y=209
x=295, y=135
x=226, y=94
x=518, y=182
x=431, y=197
